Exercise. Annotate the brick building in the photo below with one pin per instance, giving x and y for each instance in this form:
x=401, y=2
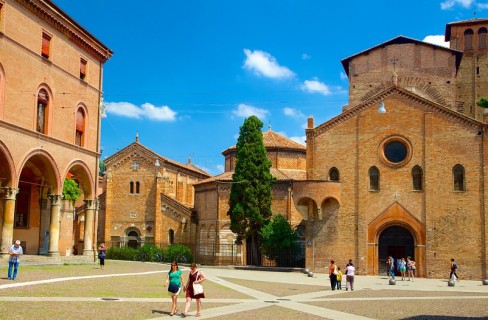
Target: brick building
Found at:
x=147, y=198
x=215, y=240
x=410, y=151
x=50, y=93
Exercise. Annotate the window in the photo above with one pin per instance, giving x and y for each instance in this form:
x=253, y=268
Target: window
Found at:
x=482, y=38
x=131, y=187
x=80, y=127
x=83, y=63
x=468, y=39
x=137, y=187
x=374, y=179
x=42, y=111
x=46, y=43
x=417, y=178
x=334, y=174
x=395, y=151
x=171, y=236
x=458, y=177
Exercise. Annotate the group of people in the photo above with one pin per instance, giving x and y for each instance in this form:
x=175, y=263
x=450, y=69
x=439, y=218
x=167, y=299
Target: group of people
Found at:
x=175, y=284
x=335, y=275
x=401, y=265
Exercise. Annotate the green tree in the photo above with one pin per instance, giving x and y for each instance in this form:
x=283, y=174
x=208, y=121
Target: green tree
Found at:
x=250, y=196
x=102, y=168
x=71, y=191
x=482, y=102
x=278, y=240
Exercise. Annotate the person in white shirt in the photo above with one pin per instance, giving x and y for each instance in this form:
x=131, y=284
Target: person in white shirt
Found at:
x=350, y=275
x=15, y=252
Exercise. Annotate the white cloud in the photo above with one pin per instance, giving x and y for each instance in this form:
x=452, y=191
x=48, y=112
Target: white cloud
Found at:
x=146, y=110
x=262, y=63
x=306, y=56
x=448, y=4
x=437, y=40
x=300, y=140
x=315, y=86
x=343, y=76
x=293, y=113
x=220, y=168
x=244, y=111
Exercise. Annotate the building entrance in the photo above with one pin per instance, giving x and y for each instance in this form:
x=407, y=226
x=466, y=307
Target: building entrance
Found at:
x=397, y=242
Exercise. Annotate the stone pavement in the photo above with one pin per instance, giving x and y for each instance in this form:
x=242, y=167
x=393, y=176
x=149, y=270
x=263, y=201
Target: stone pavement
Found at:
x=313, y=304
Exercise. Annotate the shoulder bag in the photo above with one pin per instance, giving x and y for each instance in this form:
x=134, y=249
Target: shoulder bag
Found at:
x=197, y=287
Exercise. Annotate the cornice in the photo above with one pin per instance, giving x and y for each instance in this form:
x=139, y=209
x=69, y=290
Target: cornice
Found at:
x=55, y=17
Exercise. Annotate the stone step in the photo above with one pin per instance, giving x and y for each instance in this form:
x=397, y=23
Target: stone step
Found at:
x=27, y=260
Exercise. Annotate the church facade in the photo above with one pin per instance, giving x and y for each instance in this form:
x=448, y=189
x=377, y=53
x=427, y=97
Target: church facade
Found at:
x=410, y=150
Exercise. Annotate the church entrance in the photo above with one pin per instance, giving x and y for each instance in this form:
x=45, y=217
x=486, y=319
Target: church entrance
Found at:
x=395, y=241
x=133, y=240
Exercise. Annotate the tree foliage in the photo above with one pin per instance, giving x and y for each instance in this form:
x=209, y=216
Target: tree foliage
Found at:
x=250, y=196
x=71, y=191
x=102, y=168
x=278, y=240
x=482, y=102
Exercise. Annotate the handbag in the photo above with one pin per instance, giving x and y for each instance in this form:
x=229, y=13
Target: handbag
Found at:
x=197, y=287
x=173, y=287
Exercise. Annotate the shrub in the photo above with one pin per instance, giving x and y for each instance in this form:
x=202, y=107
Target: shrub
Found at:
x=124, y=253
x=178, y=253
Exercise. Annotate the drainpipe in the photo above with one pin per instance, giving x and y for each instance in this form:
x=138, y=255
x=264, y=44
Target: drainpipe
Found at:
x=97, y=167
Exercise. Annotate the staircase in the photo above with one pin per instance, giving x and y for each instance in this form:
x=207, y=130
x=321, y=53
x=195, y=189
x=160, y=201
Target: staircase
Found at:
x=36, y=260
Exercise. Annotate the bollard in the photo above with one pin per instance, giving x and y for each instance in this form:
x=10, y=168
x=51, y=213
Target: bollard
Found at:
x=451, y=283
x=485, y=282
x=310, y=274
x=306, y=271
x=392, y=282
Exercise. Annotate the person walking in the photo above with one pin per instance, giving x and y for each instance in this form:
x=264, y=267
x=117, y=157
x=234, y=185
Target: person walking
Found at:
x=195, y=276
x=410, y=269
x=391, y=267
x=339, y=278
x=350, y=275
x=101, y=255
x=15, y=251
x=333, y=274
x=453, y=273
x=403, y=268
x=175, y=280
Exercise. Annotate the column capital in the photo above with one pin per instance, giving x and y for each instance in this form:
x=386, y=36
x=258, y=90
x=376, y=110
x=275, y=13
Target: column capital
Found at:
x=55, y=199
x=91, y=204
x=9, y=193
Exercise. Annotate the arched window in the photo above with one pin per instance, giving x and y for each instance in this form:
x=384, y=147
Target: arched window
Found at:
x=42, y=111
x=171, y=236
x=131, y=187
x=137, y=187
x=468, y=39
x=333, y=174
x=458, y=177
x=482, y=38
x=80, y=127
x=417, y=178
x=374, y=179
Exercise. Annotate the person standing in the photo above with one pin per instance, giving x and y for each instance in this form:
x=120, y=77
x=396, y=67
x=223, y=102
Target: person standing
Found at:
x=333, y=274
x=15, y=252
x=195, y=276
x=175, y=280
x=410, y=269
x=101, y=255
x=392, y=267
x=403, y=268
x=350, y=275
x=454, y=268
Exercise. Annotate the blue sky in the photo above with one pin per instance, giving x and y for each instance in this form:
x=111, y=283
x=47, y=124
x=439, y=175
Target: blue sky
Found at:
x=186, y=73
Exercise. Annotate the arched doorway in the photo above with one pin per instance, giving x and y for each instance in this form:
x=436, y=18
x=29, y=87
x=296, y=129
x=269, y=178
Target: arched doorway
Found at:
x=133, y=239
x=395, y=241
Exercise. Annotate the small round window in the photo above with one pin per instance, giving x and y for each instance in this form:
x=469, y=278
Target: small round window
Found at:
x=395, y=151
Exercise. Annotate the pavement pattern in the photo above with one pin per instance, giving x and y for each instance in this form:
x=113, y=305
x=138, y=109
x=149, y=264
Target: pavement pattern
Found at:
x=312, y=305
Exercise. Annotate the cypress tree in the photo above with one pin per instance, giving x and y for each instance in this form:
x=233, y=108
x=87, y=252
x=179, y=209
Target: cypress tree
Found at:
x=250, y=196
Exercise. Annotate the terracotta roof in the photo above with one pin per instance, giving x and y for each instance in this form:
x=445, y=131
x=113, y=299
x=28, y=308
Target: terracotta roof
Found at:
x=279, y=174
x=399, y=40
x=274, y=140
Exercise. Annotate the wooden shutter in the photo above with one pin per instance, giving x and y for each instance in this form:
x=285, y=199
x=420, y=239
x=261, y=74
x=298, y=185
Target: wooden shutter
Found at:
x=82, y=68
x=80, y=120
x=46, y=40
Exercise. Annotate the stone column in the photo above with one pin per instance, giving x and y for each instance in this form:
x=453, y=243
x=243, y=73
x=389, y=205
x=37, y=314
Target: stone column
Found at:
x=10, y=195
x=90, y=207
x=55, y=200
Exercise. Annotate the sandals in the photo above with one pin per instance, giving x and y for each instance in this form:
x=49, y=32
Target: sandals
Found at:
x=183, y=315
x=197, y=315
